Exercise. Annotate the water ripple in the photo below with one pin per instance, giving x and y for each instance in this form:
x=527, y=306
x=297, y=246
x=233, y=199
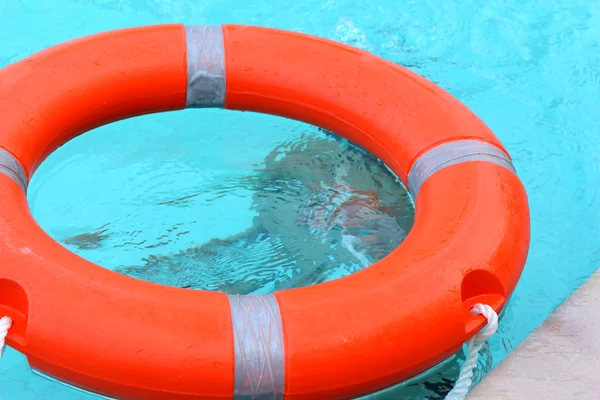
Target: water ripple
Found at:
x=323, y=209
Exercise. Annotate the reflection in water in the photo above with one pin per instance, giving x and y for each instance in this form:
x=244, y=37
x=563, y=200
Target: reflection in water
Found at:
x=89, y=241
x=323, y=209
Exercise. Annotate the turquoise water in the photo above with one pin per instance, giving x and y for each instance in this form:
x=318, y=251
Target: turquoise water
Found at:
x=528, y=70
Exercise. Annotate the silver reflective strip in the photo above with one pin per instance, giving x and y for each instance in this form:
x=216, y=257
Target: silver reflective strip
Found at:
x=258, y=347
x=13, y=168
x=205, y=66
x=452, y=153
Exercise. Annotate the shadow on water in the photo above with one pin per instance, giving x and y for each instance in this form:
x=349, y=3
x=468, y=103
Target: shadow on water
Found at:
x=324, y=208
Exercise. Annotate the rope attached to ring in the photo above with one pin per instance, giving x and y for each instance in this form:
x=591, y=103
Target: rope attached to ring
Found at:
x=5, y=324
x=465, y=378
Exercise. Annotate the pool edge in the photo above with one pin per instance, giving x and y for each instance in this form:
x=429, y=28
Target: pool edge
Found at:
x=560, y=359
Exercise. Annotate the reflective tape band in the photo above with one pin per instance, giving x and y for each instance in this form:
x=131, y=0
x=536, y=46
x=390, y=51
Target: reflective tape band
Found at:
x=258, y=347
x=453, y=153
x=11, y=167
x=205, y=66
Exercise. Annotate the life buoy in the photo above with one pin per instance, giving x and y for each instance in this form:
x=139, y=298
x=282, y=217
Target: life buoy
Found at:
x=129, y=339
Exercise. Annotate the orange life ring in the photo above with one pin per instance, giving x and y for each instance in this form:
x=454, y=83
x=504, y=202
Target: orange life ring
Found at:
x=121, y=337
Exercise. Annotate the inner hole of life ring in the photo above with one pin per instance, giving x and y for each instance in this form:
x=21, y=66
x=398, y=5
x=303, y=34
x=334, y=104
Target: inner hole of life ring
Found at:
x=288, y=213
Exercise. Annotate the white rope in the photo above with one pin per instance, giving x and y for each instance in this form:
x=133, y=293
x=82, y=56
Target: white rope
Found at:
x=465, y=378
x=5, y=324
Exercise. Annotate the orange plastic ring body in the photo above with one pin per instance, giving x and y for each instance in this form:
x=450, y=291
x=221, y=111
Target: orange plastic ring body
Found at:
x=129, y=339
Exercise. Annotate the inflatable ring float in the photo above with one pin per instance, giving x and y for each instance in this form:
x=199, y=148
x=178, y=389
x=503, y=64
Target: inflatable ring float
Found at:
x=121, y=337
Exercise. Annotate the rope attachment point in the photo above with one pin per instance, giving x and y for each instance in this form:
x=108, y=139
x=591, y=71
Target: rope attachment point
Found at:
x=5, y=324
x=465, y=377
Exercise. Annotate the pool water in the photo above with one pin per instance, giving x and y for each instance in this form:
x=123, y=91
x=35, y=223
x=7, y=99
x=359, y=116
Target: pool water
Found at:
x=170, y=197
x=279, y=221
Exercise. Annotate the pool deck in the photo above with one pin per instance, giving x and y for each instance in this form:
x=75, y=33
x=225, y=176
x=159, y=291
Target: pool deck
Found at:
x=559, y=360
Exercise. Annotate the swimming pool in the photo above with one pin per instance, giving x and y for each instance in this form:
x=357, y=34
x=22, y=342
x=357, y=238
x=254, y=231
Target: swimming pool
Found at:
x=525, y=70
